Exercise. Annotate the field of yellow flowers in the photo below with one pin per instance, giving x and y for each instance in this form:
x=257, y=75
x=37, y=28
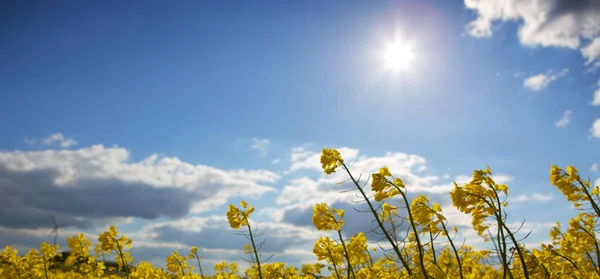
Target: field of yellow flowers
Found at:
x=427, y=250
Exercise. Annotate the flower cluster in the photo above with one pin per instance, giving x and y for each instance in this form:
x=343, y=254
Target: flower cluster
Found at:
x=239, y=218
x=330, y=160
x=479, y=198
x=418, y=240
x=384, y=188
x=178, y=264
x=427, y=216
x=325, y=219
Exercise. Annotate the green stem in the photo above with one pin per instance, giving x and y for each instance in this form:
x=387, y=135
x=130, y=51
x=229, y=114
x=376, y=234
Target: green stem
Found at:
x=370, y=258
x=379, y=223
x=589, y=196
x=254, y=247
x=337, y=274
x=500, y=225
x=199, y=266
x=414, y=227
x=502, y=246
x=595, y=246
x=432, y=246
x=454, y=249
x=17, y=270
x=501, y=237
x=512, y=237
x=119, y=250
x=45, y=269
x=589, y=257
x=346, y=254
x=542, y=265
x=566, y=258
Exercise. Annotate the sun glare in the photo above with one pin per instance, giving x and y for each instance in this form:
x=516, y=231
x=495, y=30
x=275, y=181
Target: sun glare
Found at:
x=398, y=56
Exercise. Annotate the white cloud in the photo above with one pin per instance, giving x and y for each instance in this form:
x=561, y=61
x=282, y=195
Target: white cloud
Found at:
x=303, y=192
x=595, y=129
x=533, y=227
x=261, y=145
x=592, y=53
x=557, y=23
x=565, y=120
x=300, y=153
x=217, y=234
x=560, y=23
x=191, y=224
x=594, y=167
x=255, y=175
x=502, y=178
x=151, y=244
x=276, y=161
x=541, y=81
x=57, y=139
x=463, y=222
x=302, y=158
x=538, y=197
x=105, y=176
x=300, y=194
x=596, y=100
x=97, y=161
x=455, y=217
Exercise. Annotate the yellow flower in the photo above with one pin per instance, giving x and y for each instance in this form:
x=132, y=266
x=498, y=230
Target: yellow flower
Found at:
x=108, y=239
x=326, y=249
x=423, y=215
x=324, y=218
x=378, y=183
x=330, y=160
x=398, y=182
x=475, y=198
x=311, y=270
x=387, y=211
x=193, y=252
x=571, y=171
x=382, y=188
x=385, y=171
x=238, y=218
x=503, y=188
x=177, y=264
x=48, y=251
x=247, y=249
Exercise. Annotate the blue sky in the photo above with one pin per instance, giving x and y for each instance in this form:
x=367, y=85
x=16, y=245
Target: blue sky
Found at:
x=235, y=100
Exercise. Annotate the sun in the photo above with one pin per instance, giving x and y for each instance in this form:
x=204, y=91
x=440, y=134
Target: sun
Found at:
x=398, y=56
